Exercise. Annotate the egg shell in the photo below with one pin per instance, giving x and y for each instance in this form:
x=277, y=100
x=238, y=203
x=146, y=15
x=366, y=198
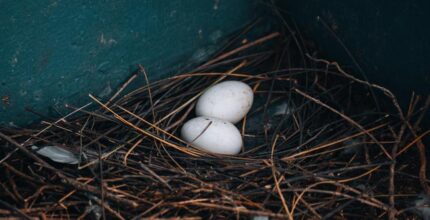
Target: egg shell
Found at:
x=229, y=101
x=212, y=135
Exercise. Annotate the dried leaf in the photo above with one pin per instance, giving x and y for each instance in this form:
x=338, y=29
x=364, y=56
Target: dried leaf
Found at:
x=57, y=154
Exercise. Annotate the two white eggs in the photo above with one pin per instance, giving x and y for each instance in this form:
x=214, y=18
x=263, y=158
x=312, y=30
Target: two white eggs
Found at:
x=218, y=108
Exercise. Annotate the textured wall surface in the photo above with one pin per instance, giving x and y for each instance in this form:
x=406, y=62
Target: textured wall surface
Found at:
x=389, y=38
x=54, y=52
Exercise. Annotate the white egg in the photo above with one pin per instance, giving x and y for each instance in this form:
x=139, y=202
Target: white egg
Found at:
x=229, y=101
x=212, y=135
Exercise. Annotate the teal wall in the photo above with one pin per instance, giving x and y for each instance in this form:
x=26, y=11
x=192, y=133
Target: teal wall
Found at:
x=54, y=52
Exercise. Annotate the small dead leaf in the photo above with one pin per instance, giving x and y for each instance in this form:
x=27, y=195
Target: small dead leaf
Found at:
x=57, y=154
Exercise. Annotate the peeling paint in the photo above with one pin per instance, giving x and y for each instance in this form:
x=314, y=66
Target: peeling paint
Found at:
x=22, y=92
x=215, y=36
x=216, y=4
x=200, y=32
x=202, y=54
x=108, y=42
x=106, y=91
x=14, y=60
x=173, y=13
x=37, y=95
x=103, y=67
x=12, y=124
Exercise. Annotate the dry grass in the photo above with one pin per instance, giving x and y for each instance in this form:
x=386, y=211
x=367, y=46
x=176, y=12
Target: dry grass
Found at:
x=329, y=155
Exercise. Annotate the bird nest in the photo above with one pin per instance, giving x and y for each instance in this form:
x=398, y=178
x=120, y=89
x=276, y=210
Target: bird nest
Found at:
x=318, y=143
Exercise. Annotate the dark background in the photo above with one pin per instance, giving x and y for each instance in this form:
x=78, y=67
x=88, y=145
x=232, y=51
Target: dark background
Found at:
x=389, y=39
x=54, y=52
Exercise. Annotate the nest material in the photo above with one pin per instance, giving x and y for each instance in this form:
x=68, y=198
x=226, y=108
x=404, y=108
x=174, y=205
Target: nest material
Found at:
x=319, y=143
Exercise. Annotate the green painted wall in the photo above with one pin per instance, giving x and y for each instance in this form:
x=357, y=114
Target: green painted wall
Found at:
x=54, y=52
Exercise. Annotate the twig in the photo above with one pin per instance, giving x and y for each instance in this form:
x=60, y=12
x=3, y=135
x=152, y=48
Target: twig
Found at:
x=241, y=48
x=66, y=179
x=344, y=117
x=15, y=210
